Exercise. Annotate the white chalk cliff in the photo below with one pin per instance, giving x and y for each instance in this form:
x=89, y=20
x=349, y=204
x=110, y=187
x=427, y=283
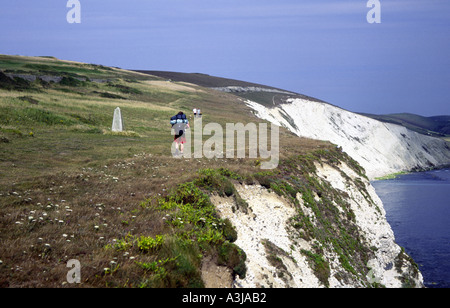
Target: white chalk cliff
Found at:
x=278, y=252
x=380, y=148
x=275, y=247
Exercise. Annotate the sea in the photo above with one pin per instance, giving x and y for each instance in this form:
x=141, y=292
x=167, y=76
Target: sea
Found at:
x=418, y=209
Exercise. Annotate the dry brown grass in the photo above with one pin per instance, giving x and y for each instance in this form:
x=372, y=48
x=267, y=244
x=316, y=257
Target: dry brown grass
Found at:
x=68, y=194
x=66, y=207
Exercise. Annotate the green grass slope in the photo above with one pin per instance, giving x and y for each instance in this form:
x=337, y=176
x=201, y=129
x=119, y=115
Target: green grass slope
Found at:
x=117, y=202
x=437, y=126
x=269, y=97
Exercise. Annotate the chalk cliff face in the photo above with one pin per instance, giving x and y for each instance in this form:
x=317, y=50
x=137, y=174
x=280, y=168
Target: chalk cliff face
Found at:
x=331, y=234
x=381, y=148
x=328, y=228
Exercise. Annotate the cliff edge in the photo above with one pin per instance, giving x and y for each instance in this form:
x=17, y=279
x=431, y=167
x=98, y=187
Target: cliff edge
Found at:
x=317, y=222
x=381, y=148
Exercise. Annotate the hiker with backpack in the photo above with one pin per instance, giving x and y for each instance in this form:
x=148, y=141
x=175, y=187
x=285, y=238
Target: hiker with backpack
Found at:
x=179, y=124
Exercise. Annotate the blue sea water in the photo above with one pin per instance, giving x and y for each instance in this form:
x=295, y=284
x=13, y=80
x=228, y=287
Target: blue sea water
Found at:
x=418, y=210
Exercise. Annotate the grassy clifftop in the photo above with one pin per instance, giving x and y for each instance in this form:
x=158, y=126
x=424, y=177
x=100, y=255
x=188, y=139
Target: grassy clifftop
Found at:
x=72, y=189
x=120, y=204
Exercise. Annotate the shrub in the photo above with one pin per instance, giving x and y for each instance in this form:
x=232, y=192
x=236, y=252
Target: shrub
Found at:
x=147, y=243
x=72, y=82
x=189, y=193
x=320, y=266
x=233, y=257
x=229, y=232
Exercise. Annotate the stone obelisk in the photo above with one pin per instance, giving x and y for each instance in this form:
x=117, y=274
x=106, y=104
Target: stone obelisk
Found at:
x=117, y=125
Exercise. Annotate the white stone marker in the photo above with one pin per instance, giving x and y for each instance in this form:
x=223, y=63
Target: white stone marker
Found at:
x=117, y=125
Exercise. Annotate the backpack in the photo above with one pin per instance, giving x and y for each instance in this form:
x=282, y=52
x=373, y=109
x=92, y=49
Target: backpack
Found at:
x=179, y=122
x=179, y=119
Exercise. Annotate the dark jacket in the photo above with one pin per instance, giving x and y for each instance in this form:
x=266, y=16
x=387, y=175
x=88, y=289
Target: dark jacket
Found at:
x=179, y=123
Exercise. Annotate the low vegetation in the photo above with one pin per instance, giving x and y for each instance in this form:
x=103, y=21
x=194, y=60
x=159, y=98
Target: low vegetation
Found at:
x=120, y=203
x=436, y=126
x=390, y=176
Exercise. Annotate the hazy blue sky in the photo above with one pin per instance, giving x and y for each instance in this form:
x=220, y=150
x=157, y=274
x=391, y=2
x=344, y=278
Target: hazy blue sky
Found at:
x=325, y=48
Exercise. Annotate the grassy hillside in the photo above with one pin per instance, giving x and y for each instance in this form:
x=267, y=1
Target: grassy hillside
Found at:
x=72, y=189
x=269, y=97
x=437, y=126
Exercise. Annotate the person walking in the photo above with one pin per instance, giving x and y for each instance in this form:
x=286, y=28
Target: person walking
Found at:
x=179, y=124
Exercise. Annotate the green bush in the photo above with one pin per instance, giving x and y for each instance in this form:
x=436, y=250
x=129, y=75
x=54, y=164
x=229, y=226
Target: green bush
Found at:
x=72, y=82
x=233, y=257
x=229, y=232
x=320, y=266
x=147, y=243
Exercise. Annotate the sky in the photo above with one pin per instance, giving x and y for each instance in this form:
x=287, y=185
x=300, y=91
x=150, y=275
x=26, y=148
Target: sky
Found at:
x=325, y=49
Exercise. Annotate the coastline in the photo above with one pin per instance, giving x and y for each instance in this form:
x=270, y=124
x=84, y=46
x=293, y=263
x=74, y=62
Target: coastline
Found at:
x=422, y=231
x=393, y=176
